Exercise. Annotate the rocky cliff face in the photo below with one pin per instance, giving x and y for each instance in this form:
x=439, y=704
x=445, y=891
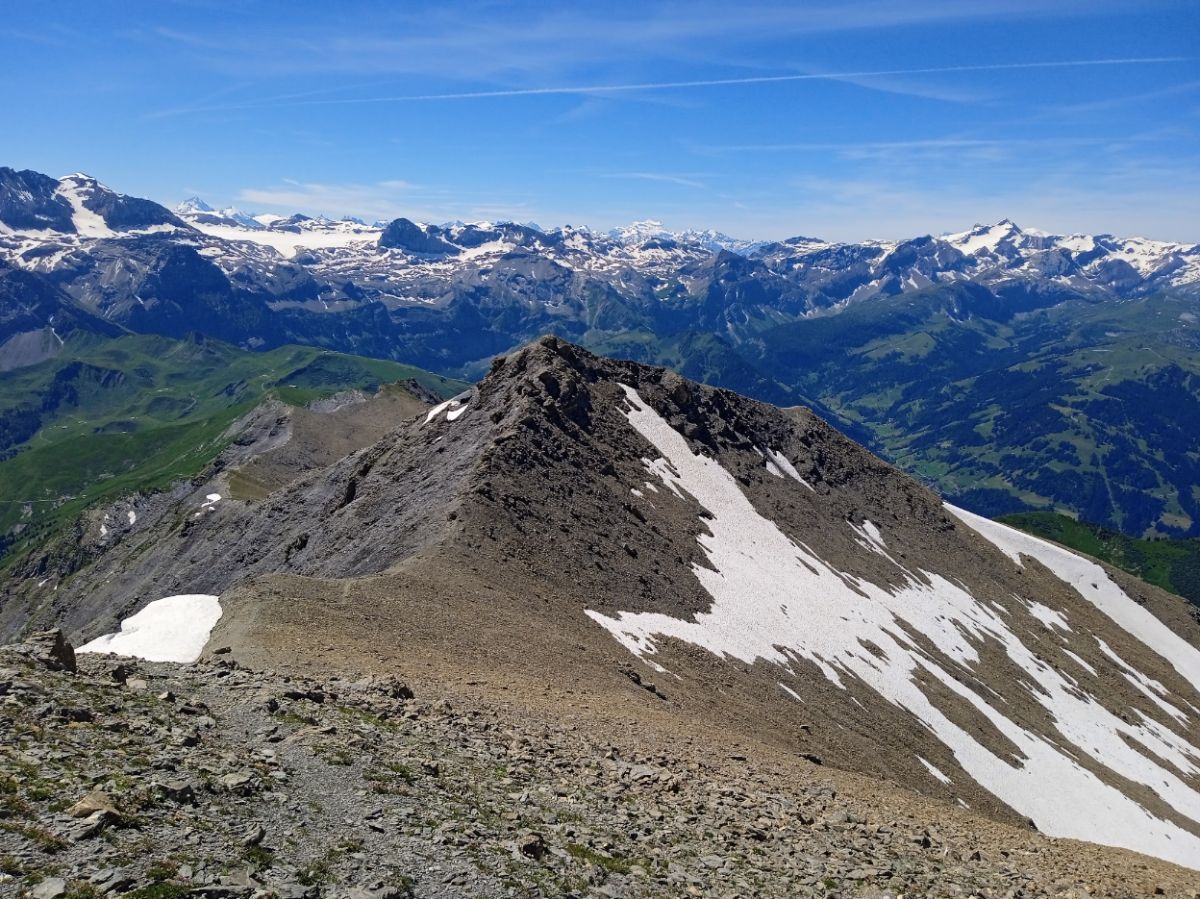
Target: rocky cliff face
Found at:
x=616, y=527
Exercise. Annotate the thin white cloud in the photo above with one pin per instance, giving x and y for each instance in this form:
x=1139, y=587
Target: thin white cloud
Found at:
x=635, y=87
x=875, y=149
x=662, y=177
x=384, y=201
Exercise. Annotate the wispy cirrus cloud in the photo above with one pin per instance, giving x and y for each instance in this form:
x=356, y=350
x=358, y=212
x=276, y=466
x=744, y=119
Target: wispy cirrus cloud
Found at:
x=682, y=180
x=385, y=200
x=637, y=87
x=540, y=38
x=375, y=200
x=963, y=149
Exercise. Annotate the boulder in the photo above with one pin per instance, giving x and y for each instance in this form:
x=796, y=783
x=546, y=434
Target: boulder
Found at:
x=50, y=648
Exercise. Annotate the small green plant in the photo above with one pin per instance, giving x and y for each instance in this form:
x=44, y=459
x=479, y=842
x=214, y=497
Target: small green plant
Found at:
x=39, y=836
x=316, y=872
x=340, y=757
x=83, y=891
x=259, y=856
x=591, y=856
x=160, y=871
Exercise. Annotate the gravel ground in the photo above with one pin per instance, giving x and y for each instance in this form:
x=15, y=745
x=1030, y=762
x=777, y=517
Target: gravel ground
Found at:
x=158, y=781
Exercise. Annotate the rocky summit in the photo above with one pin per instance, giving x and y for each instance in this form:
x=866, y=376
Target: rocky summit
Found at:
x=736, y=653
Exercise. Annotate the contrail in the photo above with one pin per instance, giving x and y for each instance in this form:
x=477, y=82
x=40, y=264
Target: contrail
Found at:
x=707, y=82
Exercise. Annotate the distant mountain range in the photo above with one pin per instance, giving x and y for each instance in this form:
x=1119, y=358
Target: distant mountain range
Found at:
x=1011, y=368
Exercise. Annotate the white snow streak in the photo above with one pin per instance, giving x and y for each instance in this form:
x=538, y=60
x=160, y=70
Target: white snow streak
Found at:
x=934, y=770
x=456, y=406
x=786, y=464
x=437, y=410
x=87, y=223
x=173, y=629
x=774, y=600
x=1093, y=584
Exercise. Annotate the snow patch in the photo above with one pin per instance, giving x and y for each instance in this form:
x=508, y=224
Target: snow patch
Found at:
x=173, y=629
x=74, y=189
x=1080, y=662
x=776, y=601
x=455, y=406
x=932, y=769
x=288, y=243
x=1047, y=616
x=786, y=465
x=1093, y=584
x=790, y=692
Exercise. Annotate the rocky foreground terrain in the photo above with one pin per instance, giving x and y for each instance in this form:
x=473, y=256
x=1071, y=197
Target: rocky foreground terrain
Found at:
x=157, y=781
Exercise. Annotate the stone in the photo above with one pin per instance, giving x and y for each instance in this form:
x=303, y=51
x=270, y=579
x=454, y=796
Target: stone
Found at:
x=177, y=791
x=532, y=845
x=52, y=650
x=237, y=781
x=95, y=801
x=113, y=880
x=50, y=888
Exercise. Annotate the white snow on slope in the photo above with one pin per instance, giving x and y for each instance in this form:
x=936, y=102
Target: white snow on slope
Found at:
x=786, y=464
x=437, y=410
x=452, y=407
x=983, y=237
x=1093, y=584
x=73, y=189
x=289, y=243
x=1151, y=688
x=933, y=769
x=775, y=600
x=173, y=629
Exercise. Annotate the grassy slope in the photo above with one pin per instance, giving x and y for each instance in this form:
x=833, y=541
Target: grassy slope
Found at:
x=1080, y=407
x=1171, y=564
x=140, y=412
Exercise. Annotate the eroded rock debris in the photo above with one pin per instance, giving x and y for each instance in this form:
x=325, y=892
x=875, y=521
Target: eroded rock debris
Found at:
x=160, y=781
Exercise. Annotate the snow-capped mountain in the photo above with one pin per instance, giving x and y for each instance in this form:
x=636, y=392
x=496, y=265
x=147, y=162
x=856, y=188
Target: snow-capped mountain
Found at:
x=638, y=233
x=38, y=208
x=197, y=213
x=287, y=235
x=132, y=260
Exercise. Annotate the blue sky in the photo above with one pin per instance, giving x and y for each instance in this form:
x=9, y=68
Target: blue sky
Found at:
x=844, y=120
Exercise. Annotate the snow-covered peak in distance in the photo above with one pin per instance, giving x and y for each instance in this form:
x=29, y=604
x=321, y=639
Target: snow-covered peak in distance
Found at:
x=287, y=235
x=985, y=237
x=640, y=232
x=719, y=240
x=197, y=213
x=1101, y=254
x=710, y=239
x=191, y=206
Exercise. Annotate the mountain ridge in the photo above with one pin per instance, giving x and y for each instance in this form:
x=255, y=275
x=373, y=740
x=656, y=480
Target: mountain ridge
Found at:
x=610, y=507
